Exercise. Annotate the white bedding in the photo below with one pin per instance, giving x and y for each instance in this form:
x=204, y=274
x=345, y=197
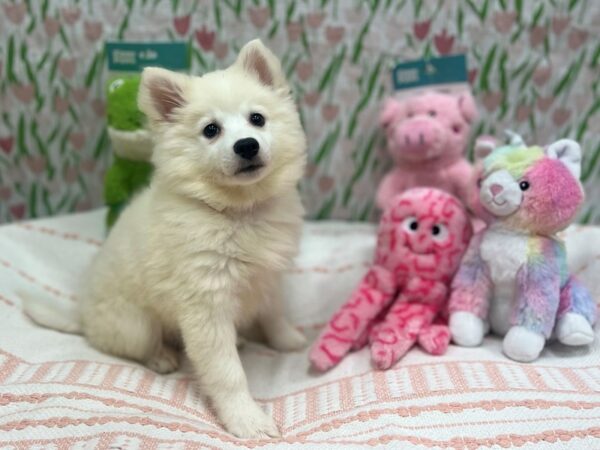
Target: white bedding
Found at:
x=57, y=392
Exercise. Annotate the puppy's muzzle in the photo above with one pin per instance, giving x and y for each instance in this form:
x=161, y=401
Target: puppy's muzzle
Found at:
x=247, y=149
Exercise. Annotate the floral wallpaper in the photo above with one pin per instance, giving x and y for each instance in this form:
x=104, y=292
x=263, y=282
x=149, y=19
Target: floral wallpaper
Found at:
x=533, y=65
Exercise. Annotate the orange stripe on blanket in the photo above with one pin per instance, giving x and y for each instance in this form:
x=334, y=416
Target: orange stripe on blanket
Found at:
x=447, y=408
x=33, y=280
x=61, y=234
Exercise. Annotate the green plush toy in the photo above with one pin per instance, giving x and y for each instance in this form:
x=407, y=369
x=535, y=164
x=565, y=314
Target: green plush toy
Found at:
x=132, y=145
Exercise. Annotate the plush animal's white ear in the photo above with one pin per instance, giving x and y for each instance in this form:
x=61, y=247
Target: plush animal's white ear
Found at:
x=161, y=92
x=484, y=145
x=260, y=62
x=568, y=152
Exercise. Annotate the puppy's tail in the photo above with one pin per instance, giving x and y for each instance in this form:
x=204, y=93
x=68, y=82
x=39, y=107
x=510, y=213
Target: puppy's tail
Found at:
x=60, y=316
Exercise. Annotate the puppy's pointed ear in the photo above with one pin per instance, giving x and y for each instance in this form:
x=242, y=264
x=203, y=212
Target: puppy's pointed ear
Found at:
x=161, y=93
x=567, y=152
x=258, y=61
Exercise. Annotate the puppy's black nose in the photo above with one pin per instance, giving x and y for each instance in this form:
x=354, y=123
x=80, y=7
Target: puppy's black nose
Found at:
x=246, y=148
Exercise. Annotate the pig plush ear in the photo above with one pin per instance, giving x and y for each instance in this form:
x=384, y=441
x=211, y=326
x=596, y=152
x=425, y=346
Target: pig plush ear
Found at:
x=161, y=93
x=467, y=107
x=484, y=145
x=389, y=112
x=258, y=61
x=567, y=152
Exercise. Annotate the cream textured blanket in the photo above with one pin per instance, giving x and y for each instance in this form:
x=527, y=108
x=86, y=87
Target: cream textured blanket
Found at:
x=57, y=392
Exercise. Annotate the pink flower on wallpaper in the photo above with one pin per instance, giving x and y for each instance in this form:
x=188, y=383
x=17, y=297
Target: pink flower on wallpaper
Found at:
x=504, y=20
x=472, y=75
x=560, y=23
x=70, y=174
x=544, y=103
x=541, y=74
x=304, y=70
x=17, y=211
x=560, y=116
x=326, y=183
x=36, y=164
x=577, y=38
x=330, y=112
x=24, y=92
x=15, y=12
x=182, y=24
x=88, y=165
x=61, y=105
x=71, y=14
x=537, y=35
x=491, y=100
x=6, y=144
x=77, y=140
x=294, y=31
x=443, y=42
x=205, y=38
x=421, y=29
x=311, y=98
x=66, y=67
x=99, y=107
x=523, y=112
x=79, y=94
x=92, y=30
x=52, y=26
x=5, y=193
x=315, y=19
x=259, y=16
x=221, y=49
x=334, y=34
x=311, y=169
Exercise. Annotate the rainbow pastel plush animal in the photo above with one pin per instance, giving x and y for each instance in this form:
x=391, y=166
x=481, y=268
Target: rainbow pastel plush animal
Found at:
x=514, y=275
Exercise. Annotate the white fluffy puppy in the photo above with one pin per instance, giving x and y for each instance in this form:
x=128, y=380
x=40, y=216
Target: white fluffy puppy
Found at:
x=199, y=254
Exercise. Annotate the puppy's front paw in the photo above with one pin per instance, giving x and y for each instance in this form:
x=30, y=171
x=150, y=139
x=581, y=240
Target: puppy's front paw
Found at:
x=249, y=421
x=286, y=338
x=164, y=361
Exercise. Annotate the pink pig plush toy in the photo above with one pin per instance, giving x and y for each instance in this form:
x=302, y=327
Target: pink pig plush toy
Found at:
x=427, y=136
x=421, y=239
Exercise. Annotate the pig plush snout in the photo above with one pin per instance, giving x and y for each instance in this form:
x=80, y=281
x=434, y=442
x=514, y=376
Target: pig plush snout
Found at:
x=419, y=138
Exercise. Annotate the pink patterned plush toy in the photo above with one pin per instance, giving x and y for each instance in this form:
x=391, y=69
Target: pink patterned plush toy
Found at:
x=422, y=236
x=514, y=275
x=427, y=136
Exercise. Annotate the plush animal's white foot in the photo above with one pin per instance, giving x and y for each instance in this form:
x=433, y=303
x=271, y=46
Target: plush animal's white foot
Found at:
x=284, y=337
x=522, y=344
x=574, y=329
x=164, y=361
x=467, y=329
x=248, y=420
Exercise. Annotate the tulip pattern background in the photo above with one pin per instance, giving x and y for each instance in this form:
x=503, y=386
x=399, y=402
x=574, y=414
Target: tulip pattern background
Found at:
x=533, y=65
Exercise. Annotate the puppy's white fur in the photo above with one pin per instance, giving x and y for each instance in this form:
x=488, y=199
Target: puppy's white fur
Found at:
x=199, y=254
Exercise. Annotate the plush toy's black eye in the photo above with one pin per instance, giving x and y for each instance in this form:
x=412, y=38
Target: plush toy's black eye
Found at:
x=524, y=185
x=414, y=225
x=435, y=230
x=432, y=113
x=258, y=120
x=211, y=130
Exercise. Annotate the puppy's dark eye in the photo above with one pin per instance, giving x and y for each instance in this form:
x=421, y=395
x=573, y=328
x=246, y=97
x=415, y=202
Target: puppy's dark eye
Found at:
x=256, y=119
x=432, y=113
x=414, y=225
x=211, y=130
x=524, y=185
